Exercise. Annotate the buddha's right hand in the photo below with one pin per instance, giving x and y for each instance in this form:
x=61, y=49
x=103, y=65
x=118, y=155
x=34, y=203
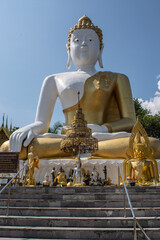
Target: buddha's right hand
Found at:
x=97, y=128
x=22, y=136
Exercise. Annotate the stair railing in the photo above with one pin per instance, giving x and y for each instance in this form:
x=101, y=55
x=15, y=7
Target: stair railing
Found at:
x=125, y=193
x=9, y=189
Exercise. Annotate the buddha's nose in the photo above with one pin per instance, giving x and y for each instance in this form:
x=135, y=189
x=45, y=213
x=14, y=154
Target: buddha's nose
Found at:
x=83, y=43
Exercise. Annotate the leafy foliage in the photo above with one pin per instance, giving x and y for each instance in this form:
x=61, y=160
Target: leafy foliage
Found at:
x=140, y=111
x=151, y=123
x=56, y=128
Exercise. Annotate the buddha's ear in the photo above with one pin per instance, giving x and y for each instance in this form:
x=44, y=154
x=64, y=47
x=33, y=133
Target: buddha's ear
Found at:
x=100, y=57
x=69, y=58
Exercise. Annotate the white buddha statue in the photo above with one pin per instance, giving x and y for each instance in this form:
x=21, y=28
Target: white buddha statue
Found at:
x=105, y=98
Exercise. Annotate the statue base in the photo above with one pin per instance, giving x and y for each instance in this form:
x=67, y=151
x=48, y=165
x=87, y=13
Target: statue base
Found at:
x=46, y=166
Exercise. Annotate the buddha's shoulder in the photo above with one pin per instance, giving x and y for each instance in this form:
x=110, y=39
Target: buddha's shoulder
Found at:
x=67, y=75
x=110, y=74
x=60, y=76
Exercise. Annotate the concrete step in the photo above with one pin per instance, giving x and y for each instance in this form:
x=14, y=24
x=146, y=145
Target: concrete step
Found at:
x=82, y=192
x=41, y=239
x=90, y=189
x=86, y=189
x=37, y=239
x=78, y=203
x=79, y=212
x=75, y=233
x=91, y=222
x=81, y=196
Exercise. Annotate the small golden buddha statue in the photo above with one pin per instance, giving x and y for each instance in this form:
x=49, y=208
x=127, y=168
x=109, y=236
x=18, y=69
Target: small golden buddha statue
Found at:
x=60, y=180
x=140, y=167
x=32, y=164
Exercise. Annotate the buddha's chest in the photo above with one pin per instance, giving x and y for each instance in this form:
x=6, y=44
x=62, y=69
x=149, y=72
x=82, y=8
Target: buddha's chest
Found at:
x=139, y=166
x=97, y=87
x=69, y=87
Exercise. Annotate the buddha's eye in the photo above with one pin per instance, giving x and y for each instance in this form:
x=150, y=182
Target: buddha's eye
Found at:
x=90, y=40
x=76, y=40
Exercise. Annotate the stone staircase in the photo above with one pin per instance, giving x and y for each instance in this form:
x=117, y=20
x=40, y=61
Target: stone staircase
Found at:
x=78, y=213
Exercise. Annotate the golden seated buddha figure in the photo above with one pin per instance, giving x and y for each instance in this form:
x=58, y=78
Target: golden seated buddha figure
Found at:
x=105, y=98
x=140, y=167
x=60, y=180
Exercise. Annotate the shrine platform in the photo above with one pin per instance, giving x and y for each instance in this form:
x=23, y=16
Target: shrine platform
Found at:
x=46, y=166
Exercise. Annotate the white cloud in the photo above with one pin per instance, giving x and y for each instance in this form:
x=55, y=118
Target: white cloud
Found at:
x=157, y=93
x=154, y=103
x=158, y=77
x=158, y=84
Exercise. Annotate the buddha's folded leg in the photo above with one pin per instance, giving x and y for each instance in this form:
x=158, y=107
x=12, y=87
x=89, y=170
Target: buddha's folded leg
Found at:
x=114, y=148
x=50, y=148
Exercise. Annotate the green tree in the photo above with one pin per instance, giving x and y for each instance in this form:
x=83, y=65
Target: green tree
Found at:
x=140, y=111
x=151, y=123
x=56, y=128
x=14, y=129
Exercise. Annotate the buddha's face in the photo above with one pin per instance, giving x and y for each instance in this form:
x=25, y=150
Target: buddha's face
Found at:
x=139, y=151
x=84, y=47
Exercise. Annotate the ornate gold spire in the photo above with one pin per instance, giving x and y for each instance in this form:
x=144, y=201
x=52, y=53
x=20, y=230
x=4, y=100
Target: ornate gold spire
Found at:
x=79, y=137
x=85, y=23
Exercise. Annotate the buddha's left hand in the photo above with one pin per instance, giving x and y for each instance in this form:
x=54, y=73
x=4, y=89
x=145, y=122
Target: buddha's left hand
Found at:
x=97, y=128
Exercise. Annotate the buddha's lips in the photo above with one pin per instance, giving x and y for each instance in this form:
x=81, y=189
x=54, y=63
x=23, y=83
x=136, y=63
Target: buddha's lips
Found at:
x=83, y=50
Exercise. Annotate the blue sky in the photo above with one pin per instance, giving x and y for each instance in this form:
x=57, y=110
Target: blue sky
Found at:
x=33, y=45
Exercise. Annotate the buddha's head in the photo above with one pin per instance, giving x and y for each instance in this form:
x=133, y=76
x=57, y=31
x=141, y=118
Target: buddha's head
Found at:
x=85, y=44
